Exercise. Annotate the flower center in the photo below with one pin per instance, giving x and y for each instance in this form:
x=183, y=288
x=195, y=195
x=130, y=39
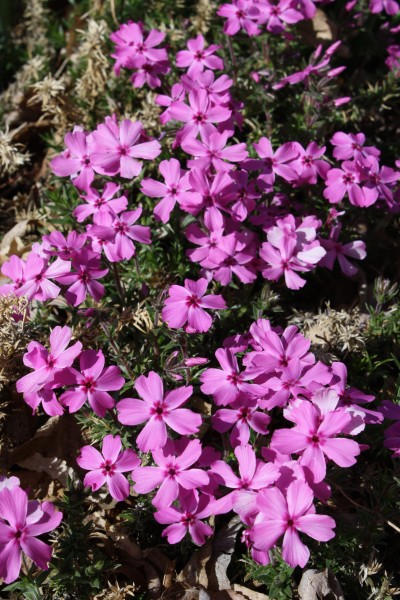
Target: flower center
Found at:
x=193, y=300
x=88, y=384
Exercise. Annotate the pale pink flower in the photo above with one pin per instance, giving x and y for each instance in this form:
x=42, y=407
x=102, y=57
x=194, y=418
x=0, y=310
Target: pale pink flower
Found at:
x=240, y=15
x=98, y=202
x=83, y=279
x=37, y=274
x=212, y=150
x=76, y=161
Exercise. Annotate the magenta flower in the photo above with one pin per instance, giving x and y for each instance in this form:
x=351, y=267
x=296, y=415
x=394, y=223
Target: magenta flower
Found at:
x=391, y=7
x=274, y=163
x=125, y=231
x=148, y=73
x=159, y=410
x=351, y=146
x=186, y=518
x=240, y=15
x=236, y=256
x=226, y=384
x=196, y=57
x=287, y=516
x=116, y=148
x=186, y=304
x=344, y=181
x=83, y=279
x=314, y=437
x=93, y=383
x=37, y=273
x=217, y=89
x=107, y=467
x=132, y=47
x=64, y=247
x=212, y=150
x=14, y=269
x=254, y=475
x=98, y=202
x=45, y=366
x=172, y=473
x=198, y=116
x=175, y=189
x=337, y=251
x=277, y=14
x=20, y=522
x=76, y=161
x=241, y=417
x=283, y=258
x=309, y=165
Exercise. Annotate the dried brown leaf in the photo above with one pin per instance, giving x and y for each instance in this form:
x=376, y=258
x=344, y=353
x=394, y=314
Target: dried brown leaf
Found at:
x=319, y=585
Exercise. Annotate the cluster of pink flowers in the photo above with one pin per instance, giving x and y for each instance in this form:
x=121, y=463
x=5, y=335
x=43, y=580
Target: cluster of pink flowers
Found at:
x=136, y=50
x=21, y=521
x=257, y=16
x=53, y=369
x=273, y=490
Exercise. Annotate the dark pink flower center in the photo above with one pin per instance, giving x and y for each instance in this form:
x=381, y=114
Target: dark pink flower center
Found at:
x=244, y=413
x=123, y=151
x=234, y=378
x=240, y=14
x=244, y=484
x=121, y=227
x=229, y=261
x=50, y=361
x=193, y=300
x=307, y=161
x=314, y=439
x=348, y=178
x=199, y=118
x=188, y=519
x=199, y=55
x=108, y=468
x=84, y=276
x=158, y=410
x=88, y=384
x=173, y=191
x=99, y=202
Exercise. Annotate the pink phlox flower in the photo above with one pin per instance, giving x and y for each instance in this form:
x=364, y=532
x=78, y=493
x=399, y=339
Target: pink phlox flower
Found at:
x=98, y=202
x=186, y=304
x=83, y=279
x=159, y=409
x=314, y=435
x=21, y=521
x=236, y=256
x=216, y=88
x=338, y=251
x=393, y=59
x=315, y=67
x=212, y=151
x=392, y=439
x=91, y=383
x=125, y=230
x=379, y=182
x=288, y=515
x=102, y=238
x=354, y=401
x=390, y=7
x=199, y=115
x=37, y=386
x=107, y=467
x=208, y=239
x=133, y=49
x=351, y=146
x=303, y=231
x=172, y=473
x=149, y=73
x=14, y=269
x=8, y=482
x=242, y=416
x=244, y=201
x=197, y=57
x=240, y=15
x=216, y=191
x=282, y=259
x=277, y=14
x=225, y=385
x=76, y=161
x=186, y=518
x=345, y=180
x=274, y=163
x=260, y=557
x=116, y=148
x=177, y=95
x=37, y=273
x=64, y=247
x=309, y=165
x=176, y=188
x=254, y=474
x=291, y=470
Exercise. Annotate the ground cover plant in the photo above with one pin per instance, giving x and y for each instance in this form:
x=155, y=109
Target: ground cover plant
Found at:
x=199, y=300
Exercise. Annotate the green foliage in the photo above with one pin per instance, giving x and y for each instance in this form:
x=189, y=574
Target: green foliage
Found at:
x=276, y=577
